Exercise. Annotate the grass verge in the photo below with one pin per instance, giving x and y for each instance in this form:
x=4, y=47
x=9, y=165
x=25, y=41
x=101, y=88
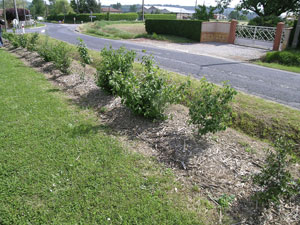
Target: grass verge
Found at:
x=37, y=25
x=295, y=69
x=57, y=165
x=126, y=30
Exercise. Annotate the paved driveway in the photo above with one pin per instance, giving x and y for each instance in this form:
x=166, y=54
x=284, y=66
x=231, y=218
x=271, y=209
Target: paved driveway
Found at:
x=272, y=84
x=227, y=51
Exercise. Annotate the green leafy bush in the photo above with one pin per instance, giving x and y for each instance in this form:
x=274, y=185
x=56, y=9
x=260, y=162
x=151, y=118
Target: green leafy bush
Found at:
x=59, y=54
x=289, y=57
x=161, y=16
x=114, y=61
x=149, y=93
x=275, y=179
x=32, y=41
x=84, y=55
x=12, y=38
x=210, y=109
x=62, y=59
x=45, y=50
x=22, y=39
x=183, y=28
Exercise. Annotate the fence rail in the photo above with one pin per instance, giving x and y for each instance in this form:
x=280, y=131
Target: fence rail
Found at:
x=256, y=32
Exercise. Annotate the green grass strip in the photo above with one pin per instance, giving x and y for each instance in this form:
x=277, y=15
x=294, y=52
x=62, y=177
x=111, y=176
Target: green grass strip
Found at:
x=295, y=69
x=57, y=165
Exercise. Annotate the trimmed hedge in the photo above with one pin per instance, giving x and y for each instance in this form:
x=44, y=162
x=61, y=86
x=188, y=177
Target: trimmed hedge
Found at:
x=184, y=28
x=99, y=16
x=161, y=16
x=288, y=58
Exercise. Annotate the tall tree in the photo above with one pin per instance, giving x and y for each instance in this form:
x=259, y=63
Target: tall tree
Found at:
x=117, y=6
x=86, y=6
x=204, y=13
x=62, y=7
x=37, y=7
x=133, y=8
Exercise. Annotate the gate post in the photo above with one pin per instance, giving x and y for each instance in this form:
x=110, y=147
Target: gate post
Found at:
x=231, y=37
x=278, y=35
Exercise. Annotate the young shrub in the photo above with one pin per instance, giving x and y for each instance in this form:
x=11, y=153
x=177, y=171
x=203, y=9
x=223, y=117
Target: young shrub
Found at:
x=114, y=61
x=22, y=39
x=62, y=59
x=84, y=56
x=31, y=45
x=210, y=109
x=12, y=38
x=149, y=93
x=46, y=51
x=275, y=180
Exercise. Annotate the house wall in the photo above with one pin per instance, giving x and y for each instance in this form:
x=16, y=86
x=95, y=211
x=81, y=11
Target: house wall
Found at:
x=215, y=32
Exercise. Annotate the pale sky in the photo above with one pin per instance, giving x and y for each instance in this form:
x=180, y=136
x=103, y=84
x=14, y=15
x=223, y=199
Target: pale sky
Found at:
x=173, y=2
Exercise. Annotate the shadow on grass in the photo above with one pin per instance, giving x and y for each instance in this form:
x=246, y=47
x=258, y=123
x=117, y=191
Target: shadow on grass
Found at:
x=86, y=129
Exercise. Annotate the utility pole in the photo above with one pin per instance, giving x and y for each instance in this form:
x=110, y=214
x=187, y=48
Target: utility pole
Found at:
x=296, y=35
x=4, y=14
x=17, y=15
x=143, y=12
x=196, y=4
x=24, y=10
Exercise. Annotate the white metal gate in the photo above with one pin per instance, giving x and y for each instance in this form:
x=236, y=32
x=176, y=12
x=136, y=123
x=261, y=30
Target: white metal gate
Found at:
x=255, y=36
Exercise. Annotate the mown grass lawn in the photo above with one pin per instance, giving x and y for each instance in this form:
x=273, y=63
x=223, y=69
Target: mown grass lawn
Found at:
x=58, y=166
x=126, y=30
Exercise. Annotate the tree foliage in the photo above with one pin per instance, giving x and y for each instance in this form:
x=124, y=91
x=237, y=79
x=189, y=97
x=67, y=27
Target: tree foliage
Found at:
x=133, y=8
x=117, y=6
x=265, y=8
x=11, y=14
x=37, y=7
x=204, y=13
x=86, y=6
x=235, y=14
x=10, y=3
x=61, y=7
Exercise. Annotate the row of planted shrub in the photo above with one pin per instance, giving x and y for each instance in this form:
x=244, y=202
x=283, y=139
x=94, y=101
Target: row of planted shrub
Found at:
x=85, y=17
x=183, y=28
x=59, y=54
x=147, y=92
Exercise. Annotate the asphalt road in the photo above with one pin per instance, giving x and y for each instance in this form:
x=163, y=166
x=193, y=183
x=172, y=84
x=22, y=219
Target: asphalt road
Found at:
x=282, y=87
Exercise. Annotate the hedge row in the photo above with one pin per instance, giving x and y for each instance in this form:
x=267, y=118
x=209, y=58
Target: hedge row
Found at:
x=161, y=16
x=184, y=28
x=99, y=16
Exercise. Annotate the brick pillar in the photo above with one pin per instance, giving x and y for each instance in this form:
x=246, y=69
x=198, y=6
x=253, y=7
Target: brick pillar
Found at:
x=232, y=31
x=278, y=34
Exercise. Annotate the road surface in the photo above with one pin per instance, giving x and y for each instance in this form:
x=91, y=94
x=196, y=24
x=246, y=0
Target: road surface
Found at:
x=276, y=85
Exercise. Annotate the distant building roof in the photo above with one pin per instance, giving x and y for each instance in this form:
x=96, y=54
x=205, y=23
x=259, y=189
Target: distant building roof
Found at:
x=171, y=9
x=175, y=9
x=110, y=9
